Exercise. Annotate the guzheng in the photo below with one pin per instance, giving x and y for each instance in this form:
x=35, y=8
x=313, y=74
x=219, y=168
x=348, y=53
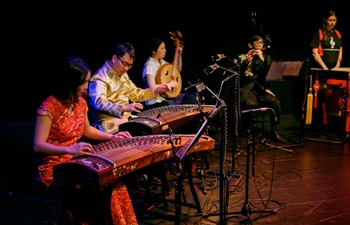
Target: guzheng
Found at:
x=113, y=159
x=159, y=120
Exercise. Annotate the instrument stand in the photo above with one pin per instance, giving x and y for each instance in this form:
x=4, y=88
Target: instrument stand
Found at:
x=201, y=171
x=179, y=190
x=177, y=182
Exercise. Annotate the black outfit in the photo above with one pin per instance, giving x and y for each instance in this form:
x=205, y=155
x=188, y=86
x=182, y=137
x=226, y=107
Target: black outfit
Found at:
x=253, y=93
x=330, y=48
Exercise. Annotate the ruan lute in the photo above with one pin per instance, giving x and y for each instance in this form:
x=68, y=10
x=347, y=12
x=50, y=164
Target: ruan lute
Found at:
x=168, y=72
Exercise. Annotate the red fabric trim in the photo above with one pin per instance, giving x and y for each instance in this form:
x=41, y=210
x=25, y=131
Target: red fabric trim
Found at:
x=320, y=50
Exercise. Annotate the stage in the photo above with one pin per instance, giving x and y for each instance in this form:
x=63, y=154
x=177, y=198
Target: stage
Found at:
x=309, y=185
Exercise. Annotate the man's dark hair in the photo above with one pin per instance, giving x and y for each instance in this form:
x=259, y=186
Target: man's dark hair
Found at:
x=125, y=48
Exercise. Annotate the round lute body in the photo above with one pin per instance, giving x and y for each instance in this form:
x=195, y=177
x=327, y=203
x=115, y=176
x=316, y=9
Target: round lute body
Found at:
x=166, y=73
x=169, y=72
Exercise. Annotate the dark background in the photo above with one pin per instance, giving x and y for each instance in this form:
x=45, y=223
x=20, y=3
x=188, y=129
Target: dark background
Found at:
x=36, y=35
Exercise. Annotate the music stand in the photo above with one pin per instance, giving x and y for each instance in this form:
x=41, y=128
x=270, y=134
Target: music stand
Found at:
x=277, y=71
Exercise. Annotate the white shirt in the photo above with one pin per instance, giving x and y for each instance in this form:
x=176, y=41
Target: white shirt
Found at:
x=151, y=67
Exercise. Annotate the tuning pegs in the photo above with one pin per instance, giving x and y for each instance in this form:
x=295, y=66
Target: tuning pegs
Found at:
x=176, y=36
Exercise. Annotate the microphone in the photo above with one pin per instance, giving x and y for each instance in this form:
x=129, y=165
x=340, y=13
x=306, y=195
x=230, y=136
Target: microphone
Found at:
x=263, y=109
x=210, y=69
x=218, y=57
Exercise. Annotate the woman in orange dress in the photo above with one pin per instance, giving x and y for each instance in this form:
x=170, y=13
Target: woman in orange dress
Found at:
x=61, y=123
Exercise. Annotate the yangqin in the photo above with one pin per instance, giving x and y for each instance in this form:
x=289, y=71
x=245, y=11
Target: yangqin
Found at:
x=113, y=159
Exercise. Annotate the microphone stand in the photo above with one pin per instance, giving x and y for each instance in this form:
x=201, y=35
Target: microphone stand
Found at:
x=246, y=210
x=201, y=174
x=253, y=134
x=177, y=181
x=183, y=151
x=210, y=69
x=217, y=102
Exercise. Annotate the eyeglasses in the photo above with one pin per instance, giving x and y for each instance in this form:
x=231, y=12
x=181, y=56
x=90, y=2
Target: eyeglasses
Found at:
x=125, y=64
x=258, y=43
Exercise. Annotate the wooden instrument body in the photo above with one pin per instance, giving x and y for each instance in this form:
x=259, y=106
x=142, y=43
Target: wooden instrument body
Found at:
x=339, y=73
x=169, y=72
x=165, y=74
x=172, y=116
x=117, y=158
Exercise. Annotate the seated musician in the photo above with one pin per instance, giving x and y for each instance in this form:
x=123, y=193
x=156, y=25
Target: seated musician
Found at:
x=327, y=50
x=112, y=95
x=155, y=62
x=61, y=122
x=254, y=94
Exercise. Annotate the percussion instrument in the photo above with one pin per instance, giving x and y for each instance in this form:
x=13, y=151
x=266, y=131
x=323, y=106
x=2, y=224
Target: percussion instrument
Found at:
x=113, y=159
x=335, y=83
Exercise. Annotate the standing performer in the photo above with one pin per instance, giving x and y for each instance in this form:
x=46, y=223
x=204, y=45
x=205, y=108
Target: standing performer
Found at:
x=61, y=122
x=327, y=51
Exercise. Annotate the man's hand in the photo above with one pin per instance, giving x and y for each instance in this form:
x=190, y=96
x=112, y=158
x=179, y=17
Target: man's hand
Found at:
x=133, y=107
x=161, y=88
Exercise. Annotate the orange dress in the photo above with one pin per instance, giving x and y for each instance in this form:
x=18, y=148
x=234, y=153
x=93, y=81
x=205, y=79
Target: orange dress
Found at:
x=66, y=130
